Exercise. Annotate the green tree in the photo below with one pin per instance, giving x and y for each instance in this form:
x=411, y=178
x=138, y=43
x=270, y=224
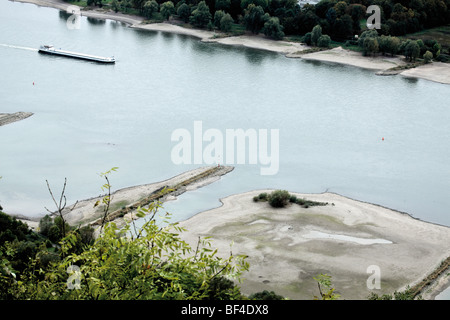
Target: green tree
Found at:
x=167, y=9
x=368, y=42
x=370, y=46
x=150, y=7
x=218, y=15
x=255, y=18
x=412, y=50
x=115, y=5
x=427, y=56
x=184, y=11
x=201, y=16
x=279, y=198
x=226, y=23
x=324, y=41
x=223, y=5
x=315, y=34
x=264, y=4
x=273, y=29
x=45, y=224
x=307, y=39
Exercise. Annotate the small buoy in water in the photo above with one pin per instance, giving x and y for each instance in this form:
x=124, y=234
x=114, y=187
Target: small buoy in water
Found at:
x=382, y=139
x=33, y=83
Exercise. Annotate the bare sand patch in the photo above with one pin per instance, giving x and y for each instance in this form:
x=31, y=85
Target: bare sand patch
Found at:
x=348, y=57
x=7, y=118
x=283, y=258
x=436, y=71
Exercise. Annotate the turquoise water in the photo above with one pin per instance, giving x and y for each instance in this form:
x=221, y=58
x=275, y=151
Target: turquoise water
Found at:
x=89, y=118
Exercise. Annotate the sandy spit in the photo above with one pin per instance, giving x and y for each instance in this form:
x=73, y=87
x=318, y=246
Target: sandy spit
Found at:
x=84, y=211
x=287, y=247
x=7, y=118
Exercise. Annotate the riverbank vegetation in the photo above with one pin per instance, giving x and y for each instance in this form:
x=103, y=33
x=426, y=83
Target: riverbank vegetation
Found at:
x=341, y=22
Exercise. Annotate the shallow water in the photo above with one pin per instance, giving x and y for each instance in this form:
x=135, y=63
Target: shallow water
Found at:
x=89, y=118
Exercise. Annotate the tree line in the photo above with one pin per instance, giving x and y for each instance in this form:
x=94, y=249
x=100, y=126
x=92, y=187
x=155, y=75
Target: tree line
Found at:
x=341, y=20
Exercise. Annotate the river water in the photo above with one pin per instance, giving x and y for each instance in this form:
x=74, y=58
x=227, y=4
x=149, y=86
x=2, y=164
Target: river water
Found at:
x=89, y=118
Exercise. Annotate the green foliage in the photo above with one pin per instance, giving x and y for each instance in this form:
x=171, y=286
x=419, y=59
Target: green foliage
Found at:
x=217, y=17
x=324, y=41
x=151, y=263
x=255, y=18
x=201, y=16
x=316, y=33
x=326, y=290
x=411, y=50
x=226, y=23
x=407, y=294
x=223, y=5
x=167, y=9
x=150, y=7
x=388, y=44
x=184, y=12
x=427, y=57
x=265, y=295
x=115, y=5
x=273, y=29
x=307, y=39
x=279, y=198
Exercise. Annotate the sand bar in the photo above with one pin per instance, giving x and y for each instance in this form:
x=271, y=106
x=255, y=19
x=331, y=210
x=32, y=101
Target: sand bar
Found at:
x=284, y=257
x=84, y=211
x=7, y=118
x=342, y=56
x=436, y=71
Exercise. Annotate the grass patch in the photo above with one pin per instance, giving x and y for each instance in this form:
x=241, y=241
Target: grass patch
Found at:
x=80, y=3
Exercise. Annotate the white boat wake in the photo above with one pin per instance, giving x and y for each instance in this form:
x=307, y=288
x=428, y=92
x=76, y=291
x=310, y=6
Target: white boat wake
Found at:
x=17, y=47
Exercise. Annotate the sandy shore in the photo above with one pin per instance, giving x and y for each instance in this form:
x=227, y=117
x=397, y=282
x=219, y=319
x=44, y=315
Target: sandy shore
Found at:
x=7, y=118
x=342, y=56
x=288, y=247
x=438, y=72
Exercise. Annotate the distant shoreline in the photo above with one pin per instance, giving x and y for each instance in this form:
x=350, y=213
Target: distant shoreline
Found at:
x=436, y=71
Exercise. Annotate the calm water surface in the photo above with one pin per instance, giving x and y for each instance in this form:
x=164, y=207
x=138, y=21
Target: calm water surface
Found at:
x=89, y=118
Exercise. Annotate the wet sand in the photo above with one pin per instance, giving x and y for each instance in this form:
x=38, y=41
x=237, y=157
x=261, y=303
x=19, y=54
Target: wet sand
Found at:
x=287, y=247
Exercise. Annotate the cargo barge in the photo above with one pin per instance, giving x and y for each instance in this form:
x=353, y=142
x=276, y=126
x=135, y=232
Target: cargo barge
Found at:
x=47, y=49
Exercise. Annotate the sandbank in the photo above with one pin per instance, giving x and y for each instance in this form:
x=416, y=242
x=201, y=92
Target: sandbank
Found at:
x=84, y=212
x=353, y=58
x=435, y=71
x=287, y=247
x=7, y=118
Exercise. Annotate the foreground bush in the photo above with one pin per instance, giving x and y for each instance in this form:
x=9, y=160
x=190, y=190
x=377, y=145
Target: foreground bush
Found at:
x=150, y=263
